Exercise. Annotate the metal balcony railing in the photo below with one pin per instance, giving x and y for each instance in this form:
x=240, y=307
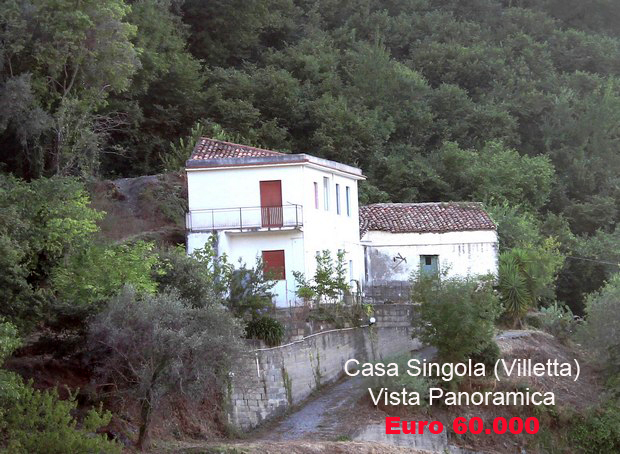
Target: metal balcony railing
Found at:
x=242, y=218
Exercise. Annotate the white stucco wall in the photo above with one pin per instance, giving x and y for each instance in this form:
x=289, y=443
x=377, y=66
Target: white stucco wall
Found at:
x=240, y=187
x=328, y=229
x=460, y=253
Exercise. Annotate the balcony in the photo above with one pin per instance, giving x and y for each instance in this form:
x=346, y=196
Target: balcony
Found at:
x=245, y=218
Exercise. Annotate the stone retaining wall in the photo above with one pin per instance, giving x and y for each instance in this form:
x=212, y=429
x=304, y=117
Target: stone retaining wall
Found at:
x=271, y=380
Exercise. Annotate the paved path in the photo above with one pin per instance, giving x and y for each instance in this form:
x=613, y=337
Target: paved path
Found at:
x=328, y=416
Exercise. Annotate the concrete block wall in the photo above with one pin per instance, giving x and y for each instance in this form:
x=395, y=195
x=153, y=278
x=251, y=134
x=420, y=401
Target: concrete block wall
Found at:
x=269, y=381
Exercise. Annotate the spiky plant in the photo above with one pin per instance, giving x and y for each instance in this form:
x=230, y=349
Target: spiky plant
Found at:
x=515, y=284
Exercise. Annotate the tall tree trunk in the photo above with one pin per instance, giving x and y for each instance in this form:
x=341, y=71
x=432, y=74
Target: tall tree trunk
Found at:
x=146, y=410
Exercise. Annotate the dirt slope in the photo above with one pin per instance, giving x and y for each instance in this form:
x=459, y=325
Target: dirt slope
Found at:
x=150, y=207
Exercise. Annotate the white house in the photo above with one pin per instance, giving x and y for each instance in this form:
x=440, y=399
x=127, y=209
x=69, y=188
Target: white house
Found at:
x=459, y=239
x=281, y=207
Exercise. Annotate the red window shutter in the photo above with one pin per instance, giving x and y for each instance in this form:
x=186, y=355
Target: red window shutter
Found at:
x=273, y=263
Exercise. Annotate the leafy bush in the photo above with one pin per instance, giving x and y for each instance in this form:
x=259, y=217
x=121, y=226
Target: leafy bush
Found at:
x=99, y=272
x=41, y=222
x=600, y=331
x=488, y=355
x=202, y=278
x=250, y=290
x=39, y=422
x=33, y=422
x=558, y=320
x=266, y=329
x=455, y=315
x=157, y=346
x=598, y=431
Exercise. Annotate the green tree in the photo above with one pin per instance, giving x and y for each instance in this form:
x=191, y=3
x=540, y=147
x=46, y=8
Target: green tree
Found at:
x=329, y=283
x=96, y=274
x=159, y=346
x=600, y=331
x=202, y=278
x=456, y=316
x=42, y=223
x=61, y=62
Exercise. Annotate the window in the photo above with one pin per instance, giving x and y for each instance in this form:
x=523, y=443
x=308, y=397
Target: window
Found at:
x=348, y=197
x=316, y=195
x=337, y=199
x=350, y=270
x=273, y=264
x=326, y=193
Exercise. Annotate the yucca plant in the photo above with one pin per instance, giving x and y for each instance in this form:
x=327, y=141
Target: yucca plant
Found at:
x=516, y=283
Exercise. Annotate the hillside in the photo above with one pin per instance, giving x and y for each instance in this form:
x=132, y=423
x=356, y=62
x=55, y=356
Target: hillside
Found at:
x=112, y=336
x=513, y=103
x=150, y=208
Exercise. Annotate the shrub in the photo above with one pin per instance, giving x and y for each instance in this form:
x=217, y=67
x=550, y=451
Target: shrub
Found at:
x=33, y=422
x=100, y=272
x=600, y=331
x=266, y=329
x=156, y=346
x=201, y=278
x=39, y=422
x=455, y=315
x=488, y=355
x=250, y=290
x=597, y=432
x=558, y=320
x=41, y=223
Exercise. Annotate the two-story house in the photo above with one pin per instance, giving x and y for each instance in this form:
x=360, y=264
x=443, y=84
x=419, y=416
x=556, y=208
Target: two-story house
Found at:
x=283, y=208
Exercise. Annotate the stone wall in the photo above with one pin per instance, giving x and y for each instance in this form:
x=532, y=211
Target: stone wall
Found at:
x=271, y=380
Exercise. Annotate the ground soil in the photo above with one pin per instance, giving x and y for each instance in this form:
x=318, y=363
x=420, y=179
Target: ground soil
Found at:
x=149, y=207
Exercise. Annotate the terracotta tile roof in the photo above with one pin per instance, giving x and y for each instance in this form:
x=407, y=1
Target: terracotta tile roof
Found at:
x=207, y=148
x=424, y=217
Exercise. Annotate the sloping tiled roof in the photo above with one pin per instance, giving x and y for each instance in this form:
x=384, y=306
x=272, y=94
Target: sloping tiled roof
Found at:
x=424, y=217
x=207, y=149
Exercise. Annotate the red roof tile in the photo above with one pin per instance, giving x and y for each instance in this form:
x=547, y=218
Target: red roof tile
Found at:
x=424, y=217
x=207, y=149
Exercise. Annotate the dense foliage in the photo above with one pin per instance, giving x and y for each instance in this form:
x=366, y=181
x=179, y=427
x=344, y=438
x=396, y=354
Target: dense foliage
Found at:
x=265, y=328
x=156, y=346
x=502, y=101
x=457, y=316
x=526, y=277
x=34, y=421
x=600, y=331
x=515, y=103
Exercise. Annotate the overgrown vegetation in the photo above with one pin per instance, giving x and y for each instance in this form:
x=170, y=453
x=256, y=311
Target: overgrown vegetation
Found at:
x=513, y=103
x=153, y=347
x=600, y=330
x=457, y=316
x=38, y=422
x=527, y=277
